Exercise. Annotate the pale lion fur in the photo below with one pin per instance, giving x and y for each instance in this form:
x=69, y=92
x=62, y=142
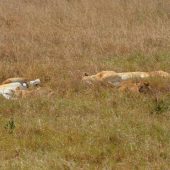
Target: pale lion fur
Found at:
x=114, y=78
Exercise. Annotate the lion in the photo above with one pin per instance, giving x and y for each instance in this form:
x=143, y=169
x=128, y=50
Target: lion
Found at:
x=41, y=91
x=15, y=79
x=23, y=81
x=9, y=87
x=134, y=87
x=113, y=78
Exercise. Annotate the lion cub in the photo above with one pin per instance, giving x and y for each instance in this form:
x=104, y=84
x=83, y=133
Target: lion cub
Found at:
x=33, y=93
x=135, y=87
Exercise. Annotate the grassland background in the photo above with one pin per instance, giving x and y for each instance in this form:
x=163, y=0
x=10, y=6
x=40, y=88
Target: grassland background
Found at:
x=80, y=128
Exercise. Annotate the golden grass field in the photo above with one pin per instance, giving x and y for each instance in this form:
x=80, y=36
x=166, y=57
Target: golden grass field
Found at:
x=79, y=127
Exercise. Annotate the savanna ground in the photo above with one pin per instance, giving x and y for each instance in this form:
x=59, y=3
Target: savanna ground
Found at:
x=79, y=127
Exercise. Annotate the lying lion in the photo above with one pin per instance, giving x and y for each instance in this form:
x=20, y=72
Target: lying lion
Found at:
x=22, y=81
x=15, y=79
x=113, y=78
x=135, y=87
x=9, y=86
x=33, y=93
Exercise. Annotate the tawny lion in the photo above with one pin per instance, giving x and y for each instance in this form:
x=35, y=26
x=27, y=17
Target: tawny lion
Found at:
x=32, y=93
x=134, y=87
x=113, y=78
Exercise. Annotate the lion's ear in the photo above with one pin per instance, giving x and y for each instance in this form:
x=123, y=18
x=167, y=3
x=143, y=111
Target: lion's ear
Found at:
x=86, y=74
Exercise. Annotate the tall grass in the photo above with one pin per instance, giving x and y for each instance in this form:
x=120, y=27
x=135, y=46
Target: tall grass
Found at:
x=79, y=128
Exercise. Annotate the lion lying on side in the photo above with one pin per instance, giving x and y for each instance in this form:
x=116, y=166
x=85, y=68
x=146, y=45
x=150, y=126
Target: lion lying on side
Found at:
x=113, y=78
x=9, y=87
x=124, y=81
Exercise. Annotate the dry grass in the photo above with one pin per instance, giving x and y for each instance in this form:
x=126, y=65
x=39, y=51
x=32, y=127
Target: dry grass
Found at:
x=79, y=128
